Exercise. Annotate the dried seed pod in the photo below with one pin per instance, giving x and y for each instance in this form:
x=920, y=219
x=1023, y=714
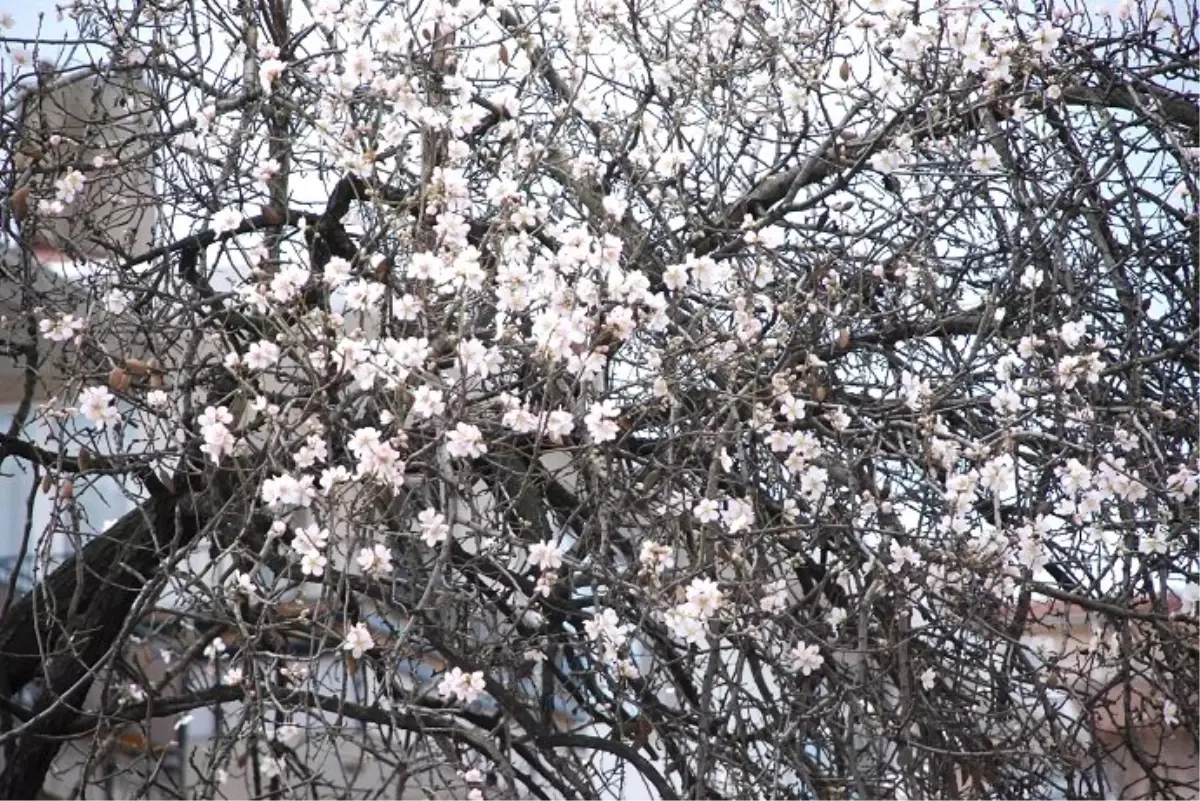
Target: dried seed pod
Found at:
x=843, y=339
x=29, y=155
x=137, y=367
x=66, y=489
x=84, y=460
x=20, y=203
x=119, y=380
x=271, y=215
x=844, y=71
x=383, y=269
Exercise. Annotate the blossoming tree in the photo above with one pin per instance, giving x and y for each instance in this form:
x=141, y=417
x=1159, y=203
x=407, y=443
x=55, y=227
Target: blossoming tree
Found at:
x=609, y=398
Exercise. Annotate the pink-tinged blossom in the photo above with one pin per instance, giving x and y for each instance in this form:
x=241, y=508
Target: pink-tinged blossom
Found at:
x=707, y=510
x=902, y=555
x=336, y=272
x=738, y=515
x=392, y=36
x=1072, y=333
x=458, y=685
x=310, y=539
x=465, y=442
x=433, y=527
x=268, y=72
x=675, y=277
x=1045, y=39
x=376, y=560
x=314, y=451
x=219, y=442
x=686, y=623
x=806, y=658
x=545, y=555
x=266, y=170
x=332, y=476
x=656, y=558
x=791, y=407
x=984, y=159
x=286, y=490
x=362, y=294
x=1182, y=484
x=606, y=629
x=96, y=404
x=426, y=267
x=706, y=595
x=475, y=358
x=261, y=355
x=226, y=220
x=64, y=329
x=520, y=419
x=68, y=186
x=288, y=282
x=313, y=564
x=358, y=641
x=600, y=421
x=428, y=402
x=559, y=425
x=407, y=307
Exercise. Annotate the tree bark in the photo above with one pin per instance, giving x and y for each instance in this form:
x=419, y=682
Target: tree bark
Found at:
x=93, y=592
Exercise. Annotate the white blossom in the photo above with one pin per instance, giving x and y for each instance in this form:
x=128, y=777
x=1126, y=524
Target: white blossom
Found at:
x=545, y=555
x=96, y=404
x=433, y=527
x=376, y=560
x=458, y=685
x=226, y=220
x=358, y=640
x=465, y=442
x=806, y=658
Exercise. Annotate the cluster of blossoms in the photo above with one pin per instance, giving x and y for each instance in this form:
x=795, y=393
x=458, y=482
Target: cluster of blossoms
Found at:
x=606, y=630
x=1085, y=491
x=96, y=404
x=377, y=459
x=465, y=441
x=375, y=560
x=66, y=188
x=569, y=294
x=656, y=558
x=547, y=558
x=458, y=685
x=806, y=658
x=214, y=425
x=434, y=529
x=288, y=491
x=735, y=515
x=689, y=620
x=556, y=425
x=234, y=673
x=358, y=640
x=310, y=543
x=371, y=361
x=66, y=328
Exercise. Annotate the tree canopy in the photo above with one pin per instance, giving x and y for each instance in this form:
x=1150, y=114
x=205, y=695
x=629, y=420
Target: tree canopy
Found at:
x=596, y=399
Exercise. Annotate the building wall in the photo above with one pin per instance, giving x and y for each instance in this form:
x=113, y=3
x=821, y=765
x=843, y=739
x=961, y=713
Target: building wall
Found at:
x=1072, y=637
